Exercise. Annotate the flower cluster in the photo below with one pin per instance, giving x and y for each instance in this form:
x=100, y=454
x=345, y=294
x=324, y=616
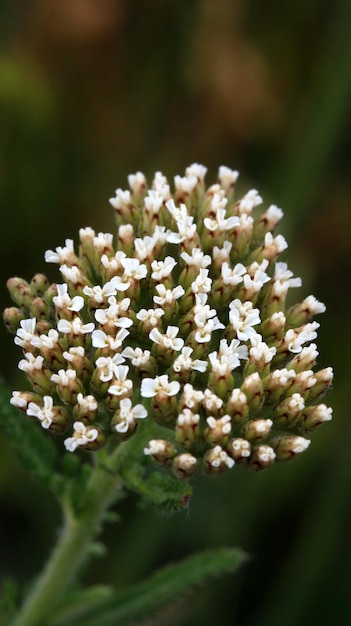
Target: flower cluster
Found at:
x=180, y=322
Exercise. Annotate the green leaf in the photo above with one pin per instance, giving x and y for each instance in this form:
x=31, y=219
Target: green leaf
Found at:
x=35, y=448
x=78, y=604
x=142, y=600
x=159, y=490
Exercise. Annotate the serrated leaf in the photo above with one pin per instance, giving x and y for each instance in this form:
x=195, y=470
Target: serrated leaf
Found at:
x=78, y=604
x=35, y=448
x=141, y=601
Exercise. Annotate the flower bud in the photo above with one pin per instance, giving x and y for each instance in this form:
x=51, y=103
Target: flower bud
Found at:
x=262, y=457
x=286, y=448
x=184, y=465
x=162, y=451
x=216, y=460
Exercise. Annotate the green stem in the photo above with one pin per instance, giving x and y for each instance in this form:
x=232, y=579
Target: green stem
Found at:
x=77, y=534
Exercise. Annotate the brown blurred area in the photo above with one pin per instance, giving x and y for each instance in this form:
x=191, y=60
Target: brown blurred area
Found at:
x=92, y=90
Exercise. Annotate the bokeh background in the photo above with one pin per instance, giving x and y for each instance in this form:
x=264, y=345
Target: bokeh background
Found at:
x=91, y=90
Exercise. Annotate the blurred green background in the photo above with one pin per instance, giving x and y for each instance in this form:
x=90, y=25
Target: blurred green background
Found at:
x=91, y=90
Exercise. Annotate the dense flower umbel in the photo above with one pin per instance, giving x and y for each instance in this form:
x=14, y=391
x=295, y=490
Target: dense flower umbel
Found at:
x=181, y=322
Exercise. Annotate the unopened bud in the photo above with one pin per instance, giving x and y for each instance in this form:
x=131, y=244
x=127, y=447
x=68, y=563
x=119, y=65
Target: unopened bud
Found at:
x=256, y=430
x=313, y=416
x=286, y=448
x=286, y=413
x=261, y=457
x=216, y=460
x=184, y=465
x=12, y=318
x=252, y=387
x=239, y=449
x=162, y=451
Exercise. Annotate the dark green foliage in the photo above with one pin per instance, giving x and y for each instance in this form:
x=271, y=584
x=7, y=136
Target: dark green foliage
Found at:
x=167, y=585
x=35, y=448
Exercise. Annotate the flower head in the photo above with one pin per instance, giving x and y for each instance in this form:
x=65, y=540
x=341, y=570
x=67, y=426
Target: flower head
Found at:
x=180, y=321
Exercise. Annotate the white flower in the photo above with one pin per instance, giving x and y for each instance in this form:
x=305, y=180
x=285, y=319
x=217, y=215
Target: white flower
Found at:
x=122, y=199
x=150, y=387
x=162, y=269
x=44, y=414
x=223, y=364
x=185, y=184
x=144, y=247
x=250, y=201
x=25, y=334
x=197, y=170
x=323, y=413
x=72, y=274
x=243, y=317
x=108, y=366
x=74, y=352
x=178, y=213
x=296, y=339
x=281, y=377
x=100, y=339
x=153, y=201
x=313, y=305
x=202, y=282
x=129, y=414
x=186, y=230
x=278, y=243
x=283, y=275
x=260, y=350
x=87, y=403
x=46, y=341
x=86, y=235
x=121, y=384
x=113, y=265
x=220, y=223
x=169, y=340
x=82, y=435
x=111, y=314
x=167, y=296
x=64, y=377
x=64, y=301
x=109, y=289
x=191, y=397
x=18, y=400
x=103, y=241
x=137, y=356
x=227, y=177
x=74, y=327
x=137, y=181
x=61, y=255
x=185, y=362
x=197, y=258
x=150, y=316
x=204, y=332
x=233, y=276
x=234, y=348
x=273, y=215
x=222, y=254
x=160, y=235
x=31, y=363
x=133, y=269
x=256, y=277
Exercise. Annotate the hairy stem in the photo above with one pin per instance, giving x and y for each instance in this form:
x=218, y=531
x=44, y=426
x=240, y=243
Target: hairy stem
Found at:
x=76, y=536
